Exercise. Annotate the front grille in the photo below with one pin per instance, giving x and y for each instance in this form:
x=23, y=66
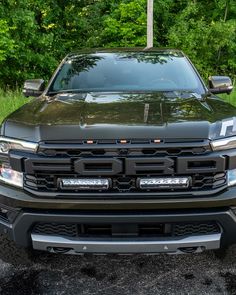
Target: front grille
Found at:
x=123, y=164
x=127, y=230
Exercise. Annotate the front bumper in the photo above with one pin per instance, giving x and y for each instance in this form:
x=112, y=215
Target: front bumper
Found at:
x=28, y=210
x=21, y=230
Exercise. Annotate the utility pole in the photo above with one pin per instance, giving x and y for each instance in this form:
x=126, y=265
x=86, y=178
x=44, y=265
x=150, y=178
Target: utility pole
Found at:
x=149, y=23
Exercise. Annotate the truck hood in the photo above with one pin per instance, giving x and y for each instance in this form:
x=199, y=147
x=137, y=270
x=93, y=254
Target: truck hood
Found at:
x=117, y=116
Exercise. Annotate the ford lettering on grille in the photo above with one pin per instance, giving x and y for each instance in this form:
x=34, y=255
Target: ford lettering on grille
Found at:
x=114, y=166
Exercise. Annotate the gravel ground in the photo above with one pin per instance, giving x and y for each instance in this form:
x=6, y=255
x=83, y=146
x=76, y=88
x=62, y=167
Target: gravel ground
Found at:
x=160, y=274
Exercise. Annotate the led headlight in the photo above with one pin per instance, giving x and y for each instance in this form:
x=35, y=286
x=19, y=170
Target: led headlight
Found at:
x=232, y=177
x=7, y=144
x=224, y=143
x=9, y=176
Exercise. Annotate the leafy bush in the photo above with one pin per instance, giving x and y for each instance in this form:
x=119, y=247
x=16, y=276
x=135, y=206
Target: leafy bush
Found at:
x=36, y=35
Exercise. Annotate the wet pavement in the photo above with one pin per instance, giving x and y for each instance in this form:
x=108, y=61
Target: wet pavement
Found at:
x=161, y=274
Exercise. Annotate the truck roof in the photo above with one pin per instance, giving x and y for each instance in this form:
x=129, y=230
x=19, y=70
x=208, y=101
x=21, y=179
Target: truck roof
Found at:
x=124, y=49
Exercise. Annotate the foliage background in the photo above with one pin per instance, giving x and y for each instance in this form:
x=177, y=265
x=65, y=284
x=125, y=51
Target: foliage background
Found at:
x=36, y=34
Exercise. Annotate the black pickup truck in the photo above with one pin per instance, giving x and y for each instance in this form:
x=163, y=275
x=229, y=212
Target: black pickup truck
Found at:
x=125, y=151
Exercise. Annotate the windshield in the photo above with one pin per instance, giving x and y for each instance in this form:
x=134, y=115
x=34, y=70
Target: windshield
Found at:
x=129, y=71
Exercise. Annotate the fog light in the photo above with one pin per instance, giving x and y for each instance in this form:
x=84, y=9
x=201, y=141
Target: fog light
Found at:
x=8, y=215
x=3, y=214
x=164, y=182
x=10, y=176
x=232, y=177
x=85, y=183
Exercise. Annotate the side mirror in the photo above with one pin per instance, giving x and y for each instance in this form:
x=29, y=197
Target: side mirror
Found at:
x=34, y=87
x=220, y=84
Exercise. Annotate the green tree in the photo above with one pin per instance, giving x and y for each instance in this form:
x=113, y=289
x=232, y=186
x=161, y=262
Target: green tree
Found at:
x=209, y=39
x=7, y=44
x=36, y=34
x=126, y=25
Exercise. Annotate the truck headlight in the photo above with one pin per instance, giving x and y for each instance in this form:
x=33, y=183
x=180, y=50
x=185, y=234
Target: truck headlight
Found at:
x=7, y=144
x=7, y=174
x=10, y=176
x=224, y=144
x=231, y=177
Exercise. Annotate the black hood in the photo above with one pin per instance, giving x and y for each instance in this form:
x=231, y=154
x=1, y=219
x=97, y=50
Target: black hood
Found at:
x=117, y=116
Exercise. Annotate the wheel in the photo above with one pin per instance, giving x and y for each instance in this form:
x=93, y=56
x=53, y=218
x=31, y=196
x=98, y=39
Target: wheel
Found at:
x=13, y=254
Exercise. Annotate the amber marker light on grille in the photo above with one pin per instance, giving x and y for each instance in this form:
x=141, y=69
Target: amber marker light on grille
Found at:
x=123, y=141
x=90, y=141
x=157, y=141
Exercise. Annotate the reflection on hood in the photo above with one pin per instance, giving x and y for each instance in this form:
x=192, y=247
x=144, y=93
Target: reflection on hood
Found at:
x=114, y=109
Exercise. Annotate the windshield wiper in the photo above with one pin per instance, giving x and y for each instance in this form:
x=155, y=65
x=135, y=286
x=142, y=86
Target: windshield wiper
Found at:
x=184, y=94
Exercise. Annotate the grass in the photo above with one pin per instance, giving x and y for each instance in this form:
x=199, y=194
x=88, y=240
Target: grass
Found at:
x=230, y=98
x=12, y=100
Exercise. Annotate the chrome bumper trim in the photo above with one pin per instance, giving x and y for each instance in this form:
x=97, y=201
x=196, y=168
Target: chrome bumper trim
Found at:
x=58, y=244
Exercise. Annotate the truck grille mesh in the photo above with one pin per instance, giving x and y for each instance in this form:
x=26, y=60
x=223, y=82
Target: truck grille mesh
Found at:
x=49, y=183
x=138, y=230
x=186, y=229
x=66, y=230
